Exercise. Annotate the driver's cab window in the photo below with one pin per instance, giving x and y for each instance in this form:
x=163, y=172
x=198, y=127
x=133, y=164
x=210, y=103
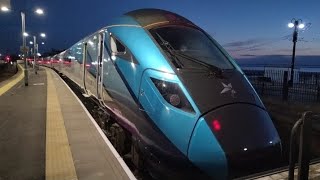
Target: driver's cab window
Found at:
x=117, y=47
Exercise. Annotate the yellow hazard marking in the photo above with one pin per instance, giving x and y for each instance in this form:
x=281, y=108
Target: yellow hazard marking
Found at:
x=12, y=81
x=59, y=162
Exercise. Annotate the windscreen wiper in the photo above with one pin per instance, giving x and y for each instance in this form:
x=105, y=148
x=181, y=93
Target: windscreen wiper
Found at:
x=170, y=50
x=214, y=70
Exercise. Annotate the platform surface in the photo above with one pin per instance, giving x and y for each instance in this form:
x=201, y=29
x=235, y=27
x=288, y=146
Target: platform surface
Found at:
x=314, y=174
x=45, y=133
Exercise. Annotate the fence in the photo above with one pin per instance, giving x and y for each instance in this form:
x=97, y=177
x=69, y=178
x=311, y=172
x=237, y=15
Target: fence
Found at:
x=273, y=82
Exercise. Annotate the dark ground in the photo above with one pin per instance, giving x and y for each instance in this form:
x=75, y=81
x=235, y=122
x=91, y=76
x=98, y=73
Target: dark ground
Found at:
x=285, y=114
x=7, y=71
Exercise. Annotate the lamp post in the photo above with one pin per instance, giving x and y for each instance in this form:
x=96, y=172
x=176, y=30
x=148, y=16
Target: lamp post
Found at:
x=35, y=50
x=296, y=24
x=24, y=48
x=34, y=53
x=23, y=21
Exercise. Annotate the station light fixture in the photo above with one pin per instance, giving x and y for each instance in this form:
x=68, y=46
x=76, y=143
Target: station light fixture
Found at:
x=39, y=11
x=4, y=8
x=291, y=25
x=301, y=26
x=296, y=24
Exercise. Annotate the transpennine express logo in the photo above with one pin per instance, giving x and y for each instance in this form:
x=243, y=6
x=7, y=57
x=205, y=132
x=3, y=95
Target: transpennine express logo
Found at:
x=227, y=88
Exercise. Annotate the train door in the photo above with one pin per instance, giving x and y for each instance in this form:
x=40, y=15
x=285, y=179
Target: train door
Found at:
x=107, y=72
x=91, y=64
x=100, y=65
x=84, y=62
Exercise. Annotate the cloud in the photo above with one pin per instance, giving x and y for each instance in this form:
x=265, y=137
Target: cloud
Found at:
x=248, y=55
x=255, y=44
x=244, y=43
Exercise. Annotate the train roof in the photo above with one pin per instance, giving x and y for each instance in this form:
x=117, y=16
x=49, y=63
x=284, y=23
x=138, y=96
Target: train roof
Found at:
x=148, y=18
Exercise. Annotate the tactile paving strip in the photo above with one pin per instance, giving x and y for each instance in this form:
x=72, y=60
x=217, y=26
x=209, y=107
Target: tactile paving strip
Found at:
x=59, y=162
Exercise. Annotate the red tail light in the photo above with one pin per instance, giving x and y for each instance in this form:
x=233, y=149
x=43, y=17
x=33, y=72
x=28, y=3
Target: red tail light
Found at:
x=216, y=125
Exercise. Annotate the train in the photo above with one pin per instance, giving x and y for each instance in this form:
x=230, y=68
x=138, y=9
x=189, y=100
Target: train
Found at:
x=176, y=100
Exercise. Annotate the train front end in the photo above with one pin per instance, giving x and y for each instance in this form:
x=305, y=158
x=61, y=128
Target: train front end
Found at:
x=206, y=108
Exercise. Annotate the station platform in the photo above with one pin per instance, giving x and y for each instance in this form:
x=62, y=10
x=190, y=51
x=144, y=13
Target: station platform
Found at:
x=46, y=133
x=314, y=174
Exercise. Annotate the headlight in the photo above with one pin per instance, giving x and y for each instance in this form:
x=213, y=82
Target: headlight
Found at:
x=173, y=94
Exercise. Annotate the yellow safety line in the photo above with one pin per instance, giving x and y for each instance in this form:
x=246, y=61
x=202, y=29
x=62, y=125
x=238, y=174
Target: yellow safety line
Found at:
x=12, y=81
x=59, y=162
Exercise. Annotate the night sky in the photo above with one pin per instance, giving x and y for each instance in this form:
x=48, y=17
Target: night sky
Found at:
x=246, y=28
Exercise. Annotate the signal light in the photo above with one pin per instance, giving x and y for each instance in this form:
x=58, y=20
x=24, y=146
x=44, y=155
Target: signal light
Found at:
x=216, y=125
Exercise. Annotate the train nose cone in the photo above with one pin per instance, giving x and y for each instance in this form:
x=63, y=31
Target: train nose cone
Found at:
x=247, y=136
x=206, y=153
x=234, y=140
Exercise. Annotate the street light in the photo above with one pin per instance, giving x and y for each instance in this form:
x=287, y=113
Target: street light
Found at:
x=25, y=34
x=36, y=49
x=42, y=43
x=297, y=24
x=39, y=11
x=4, y=8
x=24, y=47
x=31, y=42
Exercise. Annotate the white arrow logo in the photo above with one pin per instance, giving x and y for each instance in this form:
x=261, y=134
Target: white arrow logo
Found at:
x=227, y=88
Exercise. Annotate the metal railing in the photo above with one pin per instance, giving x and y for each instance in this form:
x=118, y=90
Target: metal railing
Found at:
x=304, y=124
x=273, y=82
